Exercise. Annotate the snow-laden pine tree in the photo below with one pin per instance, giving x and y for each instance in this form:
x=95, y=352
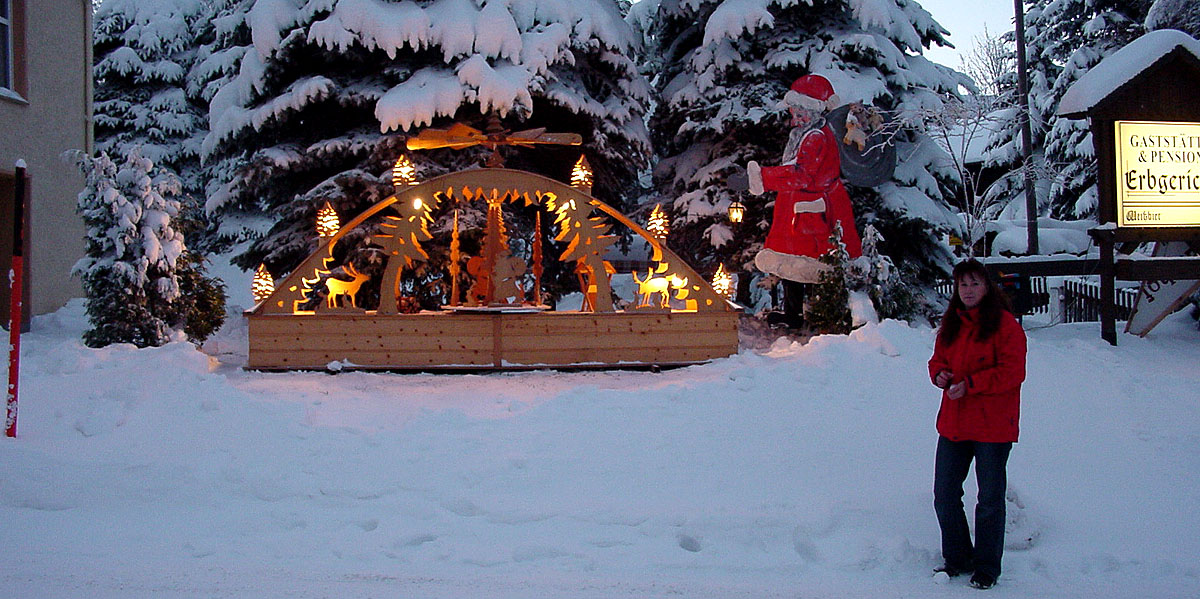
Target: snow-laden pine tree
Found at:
x=141, y=283
x=143, y=52
x=327, y=91
x=726, y=66
x=223, y=39
x=875, y=274
x=1183, y=15
x=1064, y=39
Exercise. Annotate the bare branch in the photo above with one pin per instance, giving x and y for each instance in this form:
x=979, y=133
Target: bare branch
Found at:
x=990, y=63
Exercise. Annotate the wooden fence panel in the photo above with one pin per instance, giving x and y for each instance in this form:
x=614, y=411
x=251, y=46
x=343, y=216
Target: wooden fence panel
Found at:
x=1081, y=299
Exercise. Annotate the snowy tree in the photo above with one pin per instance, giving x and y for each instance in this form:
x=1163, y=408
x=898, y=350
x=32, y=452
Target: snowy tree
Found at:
x=143, y=52
x=829, y=311
x=136, y=269
x=1183, y=15
x=875, y=274
x=726, y=64
x=1064, y=39
x=326, y=93
x=223, y=38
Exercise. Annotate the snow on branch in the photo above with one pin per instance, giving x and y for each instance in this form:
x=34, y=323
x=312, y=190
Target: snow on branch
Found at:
x=734, y=18
x=298, y=95
x=501, y=88
x=386, y=26
x=429, y=93
x=499, y=54
x=268, y=19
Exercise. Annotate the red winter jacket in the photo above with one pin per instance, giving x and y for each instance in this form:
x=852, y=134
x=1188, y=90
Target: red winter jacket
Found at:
x=994, y=370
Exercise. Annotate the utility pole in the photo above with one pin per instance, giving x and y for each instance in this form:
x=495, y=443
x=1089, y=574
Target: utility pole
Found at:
x=1026, y=135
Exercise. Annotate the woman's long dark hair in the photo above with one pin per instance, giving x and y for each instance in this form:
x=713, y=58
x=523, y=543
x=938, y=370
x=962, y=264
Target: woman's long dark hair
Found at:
x=990, y=307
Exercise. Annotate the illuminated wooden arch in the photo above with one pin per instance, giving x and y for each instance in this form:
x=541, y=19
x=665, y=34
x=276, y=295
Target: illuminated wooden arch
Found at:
x=574, y=206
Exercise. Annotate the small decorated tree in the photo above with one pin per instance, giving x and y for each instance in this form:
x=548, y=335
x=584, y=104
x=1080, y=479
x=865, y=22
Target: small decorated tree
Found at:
x=876, y=275
x=829, y=312
x=140, y=281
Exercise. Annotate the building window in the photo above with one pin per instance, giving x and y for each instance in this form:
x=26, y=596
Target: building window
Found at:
x=13, y=85
x=6, y=46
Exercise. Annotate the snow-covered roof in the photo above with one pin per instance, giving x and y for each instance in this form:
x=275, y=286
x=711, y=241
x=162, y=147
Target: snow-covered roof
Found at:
x=1125, y=64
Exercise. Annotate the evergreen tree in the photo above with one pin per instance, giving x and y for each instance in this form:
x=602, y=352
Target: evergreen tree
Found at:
x=326, y=93
x=1064, y=39
x=829, y=310
x=1183, y=15
x=199, y=311
x=136, y=267
x=725, y=66
x=143, y=52
x=886, y=285
x=223, y=39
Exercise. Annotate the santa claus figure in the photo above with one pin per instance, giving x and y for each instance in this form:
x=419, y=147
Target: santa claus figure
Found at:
x=811, y=197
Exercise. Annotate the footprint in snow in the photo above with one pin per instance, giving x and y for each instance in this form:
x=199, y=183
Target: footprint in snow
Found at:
x=689, y=543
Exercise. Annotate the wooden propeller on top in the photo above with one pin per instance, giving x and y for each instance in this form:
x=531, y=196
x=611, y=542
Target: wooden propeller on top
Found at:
x=460, y=136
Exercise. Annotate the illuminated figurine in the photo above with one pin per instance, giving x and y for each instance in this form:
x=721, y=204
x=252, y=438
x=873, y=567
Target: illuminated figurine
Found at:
x=811, y=195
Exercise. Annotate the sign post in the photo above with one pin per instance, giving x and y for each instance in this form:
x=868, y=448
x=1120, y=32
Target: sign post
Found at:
x=14, y=306
x=1145, y=126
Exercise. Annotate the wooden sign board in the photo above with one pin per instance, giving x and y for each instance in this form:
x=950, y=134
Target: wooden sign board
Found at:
x=1158, y=174
x=1157, y=299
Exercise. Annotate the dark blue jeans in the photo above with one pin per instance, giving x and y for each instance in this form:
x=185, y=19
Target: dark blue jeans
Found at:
x=950, y=470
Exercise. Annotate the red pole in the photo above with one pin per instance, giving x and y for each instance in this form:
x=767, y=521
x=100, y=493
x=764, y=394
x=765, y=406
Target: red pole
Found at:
x=14, y=306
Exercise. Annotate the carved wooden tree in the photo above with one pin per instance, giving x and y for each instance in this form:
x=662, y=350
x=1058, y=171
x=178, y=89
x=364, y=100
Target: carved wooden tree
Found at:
x=455, y=257
x=537, y=257
x=309, y=291
x=587, y=243
x=503, y=268
x=401, y=239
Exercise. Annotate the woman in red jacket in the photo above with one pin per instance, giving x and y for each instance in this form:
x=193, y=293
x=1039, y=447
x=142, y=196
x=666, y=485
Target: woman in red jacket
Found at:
x=979, y=363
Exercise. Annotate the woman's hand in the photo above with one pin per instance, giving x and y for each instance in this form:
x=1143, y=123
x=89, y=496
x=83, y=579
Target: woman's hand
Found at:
x=942, y=380
x=957, y=390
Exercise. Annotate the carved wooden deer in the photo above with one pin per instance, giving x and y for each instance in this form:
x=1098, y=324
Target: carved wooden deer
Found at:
x=339, y=288
x=659, y=285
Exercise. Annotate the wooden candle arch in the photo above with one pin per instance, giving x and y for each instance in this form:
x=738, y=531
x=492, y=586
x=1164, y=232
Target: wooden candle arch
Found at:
x=284, y=336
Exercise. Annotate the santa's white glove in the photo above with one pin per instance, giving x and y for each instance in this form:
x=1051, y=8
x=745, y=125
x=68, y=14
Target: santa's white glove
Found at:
x=754, y=173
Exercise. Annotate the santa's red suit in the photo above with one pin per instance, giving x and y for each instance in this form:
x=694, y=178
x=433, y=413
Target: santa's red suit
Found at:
x=811, y=197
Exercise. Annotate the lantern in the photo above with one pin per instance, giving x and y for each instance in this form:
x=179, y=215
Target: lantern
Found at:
x=658, y=225
x=262, y=286
x=327, y=221
x=722, y=282
x=404, y=173
x=736, y=211
x=581, y=175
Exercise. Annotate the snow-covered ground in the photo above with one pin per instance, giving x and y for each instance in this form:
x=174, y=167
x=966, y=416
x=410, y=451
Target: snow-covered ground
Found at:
x=799, y=471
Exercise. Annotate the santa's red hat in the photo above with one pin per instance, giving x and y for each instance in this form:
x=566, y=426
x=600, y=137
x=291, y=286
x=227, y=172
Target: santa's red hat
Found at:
x=813, y=92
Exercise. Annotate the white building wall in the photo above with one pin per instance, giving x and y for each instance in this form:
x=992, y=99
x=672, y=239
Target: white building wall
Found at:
x=53, y=116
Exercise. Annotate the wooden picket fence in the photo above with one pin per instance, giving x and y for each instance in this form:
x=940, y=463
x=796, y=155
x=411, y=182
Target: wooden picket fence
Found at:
x=1080, y=299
